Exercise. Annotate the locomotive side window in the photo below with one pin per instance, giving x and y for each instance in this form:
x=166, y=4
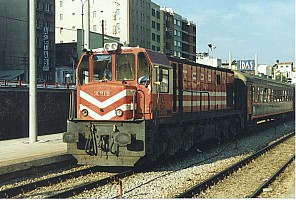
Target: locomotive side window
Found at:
x=83, y=72
x=164, y=84
x=125, y=67
x=219, y=79
x=102, y=67
x=143, y=69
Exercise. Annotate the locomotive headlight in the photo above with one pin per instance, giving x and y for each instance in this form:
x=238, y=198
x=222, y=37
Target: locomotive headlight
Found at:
x=107, y=46
x=119, y=112
x=84, y=112
x=111, y=46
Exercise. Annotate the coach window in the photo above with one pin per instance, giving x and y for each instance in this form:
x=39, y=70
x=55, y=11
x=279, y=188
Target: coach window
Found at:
x=143, y=69
x=83, y=70
x=125, y=67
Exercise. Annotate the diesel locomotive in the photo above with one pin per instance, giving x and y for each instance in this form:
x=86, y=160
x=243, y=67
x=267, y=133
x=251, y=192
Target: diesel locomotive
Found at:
x=133, y=105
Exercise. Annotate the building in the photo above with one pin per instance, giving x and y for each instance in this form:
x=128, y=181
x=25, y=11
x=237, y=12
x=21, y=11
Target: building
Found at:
x=157, y=39
x=180, y=35
x=14, y=43
x=129, y=20
x=136, y=22
x=283, y=71
x=205, y=59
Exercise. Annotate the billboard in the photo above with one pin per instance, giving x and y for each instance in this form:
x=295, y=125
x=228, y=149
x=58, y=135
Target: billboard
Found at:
x=246, y=65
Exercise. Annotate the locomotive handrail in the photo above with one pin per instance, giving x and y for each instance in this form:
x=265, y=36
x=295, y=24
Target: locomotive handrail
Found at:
x=134, y=100
x=144, y=101
x=201, y=92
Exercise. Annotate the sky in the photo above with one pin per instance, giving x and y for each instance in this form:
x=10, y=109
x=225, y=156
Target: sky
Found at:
x=242, y=27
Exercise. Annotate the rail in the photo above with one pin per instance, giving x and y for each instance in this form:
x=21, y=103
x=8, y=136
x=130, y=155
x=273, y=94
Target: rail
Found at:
x=271, y=179
x=221, y=175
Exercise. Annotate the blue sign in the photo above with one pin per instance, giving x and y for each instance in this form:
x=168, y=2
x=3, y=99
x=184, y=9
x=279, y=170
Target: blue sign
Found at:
x=246, y=65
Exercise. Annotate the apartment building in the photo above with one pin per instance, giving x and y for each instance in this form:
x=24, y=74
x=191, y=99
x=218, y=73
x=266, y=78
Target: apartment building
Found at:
x=136, y=22
x=180, y=35
x=127, y=19
x=14, y=43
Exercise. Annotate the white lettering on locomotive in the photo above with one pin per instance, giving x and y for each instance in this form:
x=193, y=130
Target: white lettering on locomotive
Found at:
x=104, y=93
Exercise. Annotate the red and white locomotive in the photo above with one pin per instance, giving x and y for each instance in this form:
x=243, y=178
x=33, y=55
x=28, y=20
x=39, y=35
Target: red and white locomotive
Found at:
x=134, y=105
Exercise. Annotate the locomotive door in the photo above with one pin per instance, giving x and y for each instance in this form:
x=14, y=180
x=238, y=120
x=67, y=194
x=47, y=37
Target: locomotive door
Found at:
x=144, y=86
x=162, y=91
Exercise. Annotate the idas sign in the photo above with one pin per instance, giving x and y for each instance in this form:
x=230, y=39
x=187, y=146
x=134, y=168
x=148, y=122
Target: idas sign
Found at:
x=245, y=65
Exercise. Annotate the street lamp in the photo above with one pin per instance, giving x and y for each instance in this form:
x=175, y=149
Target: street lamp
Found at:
x=211, y=48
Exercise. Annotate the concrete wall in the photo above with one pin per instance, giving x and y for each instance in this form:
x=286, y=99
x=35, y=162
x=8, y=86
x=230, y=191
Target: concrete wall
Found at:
x=52, y=112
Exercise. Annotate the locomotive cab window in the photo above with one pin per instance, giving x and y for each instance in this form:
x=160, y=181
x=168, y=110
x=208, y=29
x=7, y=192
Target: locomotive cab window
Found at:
x=102, y=67
x=125, y=67
x=83, y=71
x=143, y=69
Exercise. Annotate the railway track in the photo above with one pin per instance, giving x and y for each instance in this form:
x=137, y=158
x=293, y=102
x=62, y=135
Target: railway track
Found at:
x=21, y=190
x=138, y=185
x=205, y=188
x=90, y=185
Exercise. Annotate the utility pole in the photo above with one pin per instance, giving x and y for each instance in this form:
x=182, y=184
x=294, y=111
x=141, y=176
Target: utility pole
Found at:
x=256, y=64
x=103, y=27
x=32, y=71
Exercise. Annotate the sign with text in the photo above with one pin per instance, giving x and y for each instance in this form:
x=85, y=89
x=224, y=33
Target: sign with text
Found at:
x=45, y=50
x=246, y=65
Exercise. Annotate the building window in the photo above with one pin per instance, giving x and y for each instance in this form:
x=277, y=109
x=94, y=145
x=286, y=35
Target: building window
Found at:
x=61, y=17
x=39, y=23
x=94, y=14
x=158, y=38
x=61, y=3
x=94, y=27
x=38, y=5
x=153, y=12
x=118, y=27
x=48, y=7
x=157, y=14
x=153, y=24
x=158, y=26
x=153, y=37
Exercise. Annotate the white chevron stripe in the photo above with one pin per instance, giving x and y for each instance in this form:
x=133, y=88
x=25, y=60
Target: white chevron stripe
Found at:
x=108, y=101
x=106, y=116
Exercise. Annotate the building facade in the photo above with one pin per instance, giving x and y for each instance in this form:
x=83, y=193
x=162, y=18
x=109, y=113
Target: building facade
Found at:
x=127, y=19
x=136, y=22
x=14, y=43
x=284, y=71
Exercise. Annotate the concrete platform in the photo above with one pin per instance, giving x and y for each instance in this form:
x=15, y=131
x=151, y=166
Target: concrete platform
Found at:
x=18, y=154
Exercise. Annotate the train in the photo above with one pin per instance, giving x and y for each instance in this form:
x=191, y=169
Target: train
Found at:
x=133, y=105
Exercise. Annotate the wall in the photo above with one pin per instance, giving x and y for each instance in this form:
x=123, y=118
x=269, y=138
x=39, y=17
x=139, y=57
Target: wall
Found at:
x=52, y=112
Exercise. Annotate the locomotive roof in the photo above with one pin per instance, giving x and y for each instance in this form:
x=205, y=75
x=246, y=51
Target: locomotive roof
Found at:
x=158, y=58
x=245, y=77
x=188, y=62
